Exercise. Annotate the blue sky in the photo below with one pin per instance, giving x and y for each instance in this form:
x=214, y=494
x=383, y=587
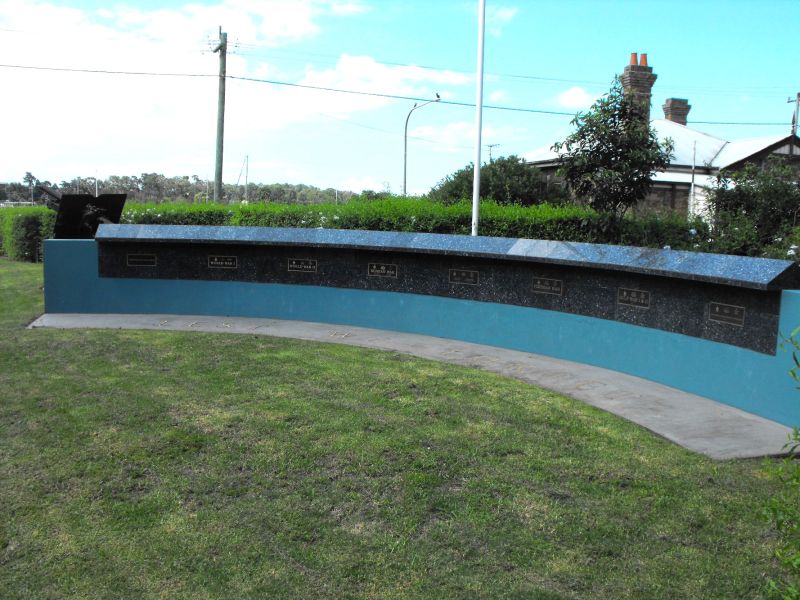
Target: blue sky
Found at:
x=734, y=60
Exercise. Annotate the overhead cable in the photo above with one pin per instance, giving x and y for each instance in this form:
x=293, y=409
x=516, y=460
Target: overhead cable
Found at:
x=342, y=91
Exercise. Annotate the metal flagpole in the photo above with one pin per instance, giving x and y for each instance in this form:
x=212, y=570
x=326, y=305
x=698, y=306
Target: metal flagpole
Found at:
x=476, y=181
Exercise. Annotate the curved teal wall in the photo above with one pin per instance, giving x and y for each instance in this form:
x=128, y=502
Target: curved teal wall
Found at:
x=749, y=380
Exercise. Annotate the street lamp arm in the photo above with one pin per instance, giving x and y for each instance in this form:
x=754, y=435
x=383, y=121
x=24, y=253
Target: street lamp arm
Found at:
x=405, y=137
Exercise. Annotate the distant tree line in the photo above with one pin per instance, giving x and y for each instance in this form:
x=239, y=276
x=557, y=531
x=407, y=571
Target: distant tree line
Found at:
x=155, y=187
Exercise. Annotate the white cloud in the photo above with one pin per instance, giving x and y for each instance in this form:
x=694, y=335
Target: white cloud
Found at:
x=498, y=96
x=348, y=8
x=457, y=136
x=359, y=184
x=452, y=137
x=68, y=123
x=575, y=98
x=497, y=17
x=364, y=74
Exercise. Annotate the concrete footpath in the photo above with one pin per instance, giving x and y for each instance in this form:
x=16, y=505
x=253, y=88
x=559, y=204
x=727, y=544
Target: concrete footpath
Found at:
x=699, y=424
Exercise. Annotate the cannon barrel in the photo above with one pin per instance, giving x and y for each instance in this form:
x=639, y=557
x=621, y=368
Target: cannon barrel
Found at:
x=53, y=198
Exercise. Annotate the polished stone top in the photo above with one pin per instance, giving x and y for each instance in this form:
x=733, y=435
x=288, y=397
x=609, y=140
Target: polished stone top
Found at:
x=739, y=271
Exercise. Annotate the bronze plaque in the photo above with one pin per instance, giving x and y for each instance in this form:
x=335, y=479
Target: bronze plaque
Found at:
x=542, y=285
x=463, y=276
x=381, y=270
x=141, y=260
x=223, y=262
x=637, y=298
x=726, y=313
x=303, y=265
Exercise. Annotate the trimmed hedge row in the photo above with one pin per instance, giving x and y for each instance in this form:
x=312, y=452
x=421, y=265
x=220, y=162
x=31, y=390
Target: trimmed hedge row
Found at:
x=178, y=214
x=568, y=223
x=428, y=217
x=23, y=229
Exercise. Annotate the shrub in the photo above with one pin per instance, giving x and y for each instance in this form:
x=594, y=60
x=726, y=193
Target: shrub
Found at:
x=786, y=247
x=176, y=214
x=657, y=231
x=3, y=213
x=753, y=207
x=24, y=230
x=507, y=180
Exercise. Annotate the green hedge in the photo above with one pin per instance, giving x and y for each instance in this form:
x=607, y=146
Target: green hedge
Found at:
x=177, y=214
x=567, y=223
x=3, y=214
x=540, y=222
x=22, y=229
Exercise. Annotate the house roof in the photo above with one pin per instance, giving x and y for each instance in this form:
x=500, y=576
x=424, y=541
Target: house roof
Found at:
x=733, y=152
x=684, y=139
x=712, y=151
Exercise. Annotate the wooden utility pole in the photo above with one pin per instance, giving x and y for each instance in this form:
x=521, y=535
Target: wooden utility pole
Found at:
x=222, y=48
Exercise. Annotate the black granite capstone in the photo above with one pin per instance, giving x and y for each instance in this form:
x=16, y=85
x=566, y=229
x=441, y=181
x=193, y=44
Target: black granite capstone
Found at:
x=729, y=299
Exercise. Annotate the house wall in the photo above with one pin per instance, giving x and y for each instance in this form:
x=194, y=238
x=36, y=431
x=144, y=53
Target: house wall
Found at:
x=666, y=199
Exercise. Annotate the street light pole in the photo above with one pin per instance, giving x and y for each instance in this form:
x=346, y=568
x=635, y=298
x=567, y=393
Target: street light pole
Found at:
x=405, y=139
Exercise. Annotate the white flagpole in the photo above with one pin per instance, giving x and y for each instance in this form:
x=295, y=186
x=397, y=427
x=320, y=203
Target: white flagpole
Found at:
x=476, y=182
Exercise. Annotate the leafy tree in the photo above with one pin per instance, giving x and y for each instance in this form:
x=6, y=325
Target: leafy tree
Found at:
x=754, y=207
x=29, y=179
x=611, y=157
x=507, y=180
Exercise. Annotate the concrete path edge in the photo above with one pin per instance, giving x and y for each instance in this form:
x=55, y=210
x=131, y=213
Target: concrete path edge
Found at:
x=696, y=423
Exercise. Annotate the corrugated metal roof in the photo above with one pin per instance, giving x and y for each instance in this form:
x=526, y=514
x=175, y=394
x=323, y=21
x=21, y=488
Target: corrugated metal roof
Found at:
x=684, y=139
x=733, y=152
x=545, y=153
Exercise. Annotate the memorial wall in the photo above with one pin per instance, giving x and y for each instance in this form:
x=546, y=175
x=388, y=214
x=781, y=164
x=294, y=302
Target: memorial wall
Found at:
x=707, y=324
x=728, y=299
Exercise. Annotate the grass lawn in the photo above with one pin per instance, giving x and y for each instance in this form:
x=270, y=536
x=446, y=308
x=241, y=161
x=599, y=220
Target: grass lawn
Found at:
x=158, y=464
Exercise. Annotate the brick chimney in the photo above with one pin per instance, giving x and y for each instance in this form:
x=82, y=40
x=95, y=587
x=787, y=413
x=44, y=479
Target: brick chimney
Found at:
x=638, y=79
x=676, y=110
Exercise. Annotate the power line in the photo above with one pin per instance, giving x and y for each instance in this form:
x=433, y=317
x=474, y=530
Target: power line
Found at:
x=388, y=132
x=343, y=91
x=262, y=48
x=731, y=123
x=106, y=71
x=397, y=97
x=285, y=83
